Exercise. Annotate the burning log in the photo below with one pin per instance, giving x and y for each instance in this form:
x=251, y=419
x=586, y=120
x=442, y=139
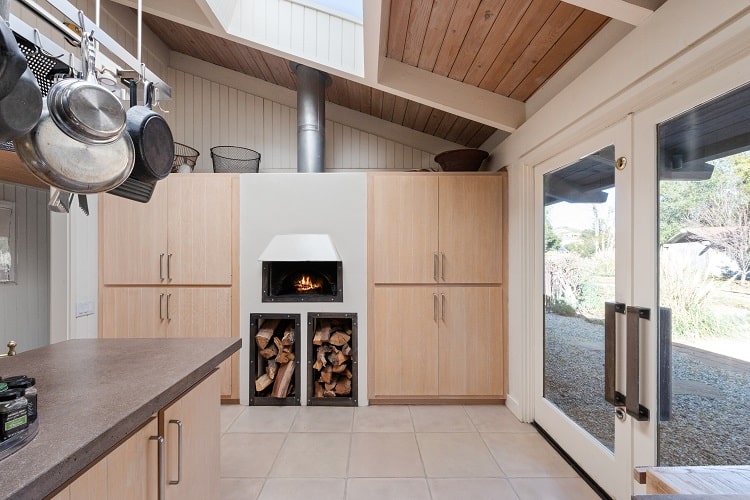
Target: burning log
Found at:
x=265, y=332
x=283, y=379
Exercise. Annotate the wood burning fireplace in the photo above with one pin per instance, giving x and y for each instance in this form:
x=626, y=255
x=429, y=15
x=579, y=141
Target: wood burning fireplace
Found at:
x=302, y=282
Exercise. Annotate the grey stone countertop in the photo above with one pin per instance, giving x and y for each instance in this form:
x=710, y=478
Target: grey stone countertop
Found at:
x=93, y=393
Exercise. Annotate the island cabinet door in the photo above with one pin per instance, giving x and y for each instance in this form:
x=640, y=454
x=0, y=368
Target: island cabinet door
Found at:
x=191, y=431
x=133, y=467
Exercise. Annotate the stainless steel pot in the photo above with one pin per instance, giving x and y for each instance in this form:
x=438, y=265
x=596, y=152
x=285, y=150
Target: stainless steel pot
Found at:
x=79, y=144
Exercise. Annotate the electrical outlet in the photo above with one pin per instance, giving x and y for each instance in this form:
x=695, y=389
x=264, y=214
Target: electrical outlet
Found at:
x=85, y=308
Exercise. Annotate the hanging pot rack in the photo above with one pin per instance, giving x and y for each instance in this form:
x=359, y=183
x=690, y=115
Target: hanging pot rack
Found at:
x=131, y=67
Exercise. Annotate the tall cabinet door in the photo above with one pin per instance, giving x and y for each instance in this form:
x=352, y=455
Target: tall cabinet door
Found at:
x=471, y=341
x=133, y=312
x=133, y=239
x=404, y=345
x=200, y=229
x=471, y=228
x=404, y=222
x=202, y=312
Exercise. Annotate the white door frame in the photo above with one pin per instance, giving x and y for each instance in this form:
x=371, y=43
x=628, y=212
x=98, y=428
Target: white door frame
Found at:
x=609, y=470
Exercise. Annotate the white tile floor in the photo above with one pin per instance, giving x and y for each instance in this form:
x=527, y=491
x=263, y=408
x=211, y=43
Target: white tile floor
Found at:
x=389, y=453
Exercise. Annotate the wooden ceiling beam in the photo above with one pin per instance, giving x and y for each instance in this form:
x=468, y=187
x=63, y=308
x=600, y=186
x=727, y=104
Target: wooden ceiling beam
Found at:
x=616, y=9
x=450, y=95
x=375, y=25
x=195, y=13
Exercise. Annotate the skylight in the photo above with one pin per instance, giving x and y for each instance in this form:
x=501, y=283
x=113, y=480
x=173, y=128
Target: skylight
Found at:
x=346, y=7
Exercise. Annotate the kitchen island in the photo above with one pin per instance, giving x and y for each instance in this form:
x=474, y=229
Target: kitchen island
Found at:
x=94, y=394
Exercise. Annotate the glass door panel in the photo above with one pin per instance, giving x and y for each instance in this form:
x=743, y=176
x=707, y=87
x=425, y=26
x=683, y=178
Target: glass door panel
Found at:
x=704, y=284
x=579, y=276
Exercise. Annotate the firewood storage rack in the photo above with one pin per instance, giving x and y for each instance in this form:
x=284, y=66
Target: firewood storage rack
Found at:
x=313, y=319
x=257, y=365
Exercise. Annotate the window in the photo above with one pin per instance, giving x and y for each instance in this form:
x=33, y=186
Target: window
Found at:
x=7, y=242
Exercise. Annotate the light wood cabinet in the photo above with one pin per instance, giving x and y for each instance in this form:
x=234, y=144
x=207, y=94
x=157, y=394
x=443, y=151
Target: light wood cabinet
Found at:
x=192, y=460
x=182, y=236
x=129, y=471
x=191, y=434
x=177, y=312
x=444, y=228
x=170, y=267
x=436, y=287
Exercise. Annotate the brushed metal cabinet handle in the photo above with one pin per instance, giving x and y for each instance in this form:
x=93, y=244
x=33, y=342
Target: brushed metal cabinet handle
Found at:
x=179, y=450
x=442, y=267
x=161, y=267
x=162, y=467
x=169, y=318
x=434, y=307
x=169, y=267
x=435, y=266
x=161, y=301
x=442, y=304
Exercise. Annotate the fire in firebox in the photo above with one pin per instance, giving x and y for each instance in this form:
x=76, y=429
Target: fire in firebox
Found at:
x=307, y=284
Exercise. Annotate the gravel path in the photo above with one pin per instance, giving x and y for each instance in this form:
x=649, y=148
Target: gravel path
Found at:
x=710, y=402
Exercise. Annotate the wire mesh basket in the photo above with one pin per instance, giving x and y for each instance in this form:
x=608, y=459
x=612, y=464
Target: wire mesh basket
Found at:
x=234, y=160
x=184, y=155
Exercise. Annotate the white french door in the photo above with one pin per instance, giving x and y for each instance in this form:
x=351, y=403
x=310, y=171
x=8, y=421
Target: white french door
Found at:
x=584, y=255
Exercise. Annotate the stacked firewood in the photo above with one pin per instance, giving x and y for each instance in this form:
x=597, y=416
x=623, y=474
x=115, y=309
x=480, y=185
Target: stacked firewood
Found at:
x=275, y=341
x=332, y=369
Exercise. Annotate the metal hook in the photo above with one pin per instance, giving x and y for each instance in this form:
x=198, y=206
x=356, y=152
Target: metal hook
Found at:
x=158, y=102
x=82, y=21
x=39, y=48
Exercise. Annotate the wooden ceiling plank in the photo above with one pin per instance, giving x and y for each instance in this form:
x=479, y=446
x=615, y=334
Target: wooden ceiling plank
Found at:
x=484, y=19
x=281, y=71
x=336, y=92
x=412, y=108
x=419, y=17
x=585, y=27
x=456, y=129
x=445, y=125
x=454, y=37
x=556, y=26
x=433, y=122
x=481, y=136
x=510, y=15
x=616, y=9
x=352, y=92
x=442, y=10
x=399, y=110
x=389, y=101
x=376, y=109
x=423, y=114
x=535, y=17
x=467, y=134
x=365, y=98
x=398, y=24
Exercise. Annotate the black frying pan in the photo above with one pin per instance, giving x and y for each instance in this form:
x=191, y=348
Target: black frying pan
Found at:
x=152, y=137
x=12, y=60
x=21, y=108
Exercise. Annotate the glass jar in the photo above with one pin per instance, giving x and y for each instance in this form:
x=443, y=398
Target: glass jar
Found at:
x=13, y=413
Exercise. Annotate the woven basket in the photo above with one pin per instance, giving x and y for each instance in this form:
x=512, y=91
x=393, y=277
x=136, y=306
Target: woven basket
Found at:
x=234, y=160
x=184, y=155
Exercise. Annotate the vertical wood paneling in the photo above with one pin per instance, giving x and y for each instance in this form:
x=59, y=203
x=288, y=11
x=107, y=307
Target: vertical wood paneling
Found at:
x=25, y=305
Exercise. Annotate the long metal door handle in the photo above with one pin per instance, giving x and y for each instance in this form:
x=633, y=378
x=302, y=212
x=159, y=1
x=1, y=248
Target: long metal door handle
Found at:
x=161, y=301
x=632, y=370
x=162, y=481
x=610, y=353
x=442, y=306
x=434, y=307
x=169, y=318
x=169, y=266
x=435, y=266
x=442, y=267
x=161, y=267
x=178, y=423
x=665, y=364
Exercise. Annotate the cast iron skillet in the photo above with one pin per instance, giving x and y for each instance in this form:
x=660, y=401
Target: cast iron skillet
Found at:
x=152, y=137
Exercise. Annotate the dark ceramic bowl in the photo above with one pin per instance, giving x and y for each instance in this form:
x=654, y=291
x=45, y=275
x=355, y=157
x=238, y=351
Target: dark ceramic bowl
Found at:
x=461, y=160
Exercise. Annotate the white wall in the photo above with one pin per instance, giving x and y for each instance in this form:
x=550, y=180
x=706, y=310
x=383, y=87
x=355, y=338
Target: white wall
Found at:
x=680, y=45
x=332, y=203
x=214, y=106
x=24, y=305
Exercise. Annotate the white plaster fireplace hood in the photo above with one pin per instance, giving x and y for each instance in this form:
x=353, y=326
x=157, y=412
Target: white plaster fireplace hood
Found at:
x=300, y=248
